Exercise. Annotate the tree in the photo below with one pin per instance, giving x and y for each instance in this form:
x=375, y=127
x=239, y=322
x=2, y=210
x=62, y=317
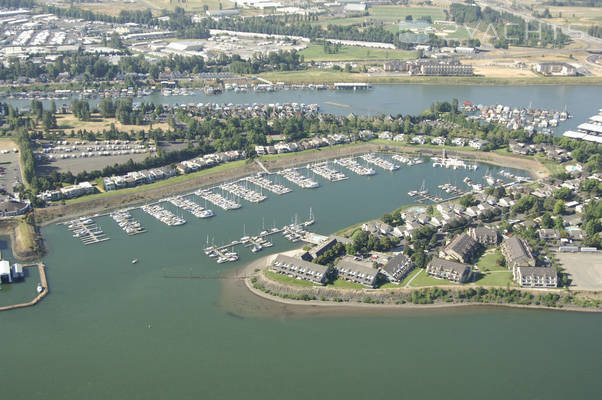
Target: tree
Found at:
x=559, y=207
x=348, y=68
x=115, y=41
x=546, y=221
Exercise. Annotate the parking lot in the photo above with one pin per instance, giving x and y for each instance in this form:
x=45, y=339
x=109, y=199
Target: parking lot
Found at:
x=584, y=269
x=9, y=164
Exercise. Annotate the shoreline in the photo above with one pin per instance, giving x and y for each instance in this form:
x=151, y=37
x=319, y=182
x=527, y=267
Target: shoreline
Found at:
x=249, y=272
x=52, y=214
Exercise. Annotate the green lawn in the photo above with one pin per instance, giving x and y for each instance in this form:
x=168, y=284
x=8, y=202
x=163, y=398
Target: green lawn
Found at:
x=403, y=283
x=287, y=280
x=389, y=13
x=424, y=280
x=355, y=53
x=488, y=263
x=495, y=278
x=166, y=182
x=343, y=284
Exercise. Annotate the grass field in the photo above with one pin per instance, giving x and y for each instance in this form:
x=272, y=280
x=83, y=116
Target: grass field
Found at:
x=343, y=284
x=353, y=53
x=287, y=279
x=488, y=263
x=167, y=182
x=403, y=283
x=422, y=279
x=495, y=278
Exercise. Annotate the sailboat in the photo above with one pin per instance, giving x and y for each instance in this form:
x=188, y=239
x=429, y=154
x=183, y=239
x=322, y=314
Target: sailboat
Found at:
x=311, y=219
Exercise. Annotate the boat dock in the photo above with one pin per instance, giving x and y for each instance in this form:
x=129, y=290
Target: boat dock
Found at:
x=217, y=199
x=163, y=215
x=326, y=172
x=190, y=206
x=380, y=162
x=40, y=296
x=266, y=184
x=352, y=165
x=293, y=176
x=409, y=161
x=86, y=230
x=126, y=222
x=244, y=193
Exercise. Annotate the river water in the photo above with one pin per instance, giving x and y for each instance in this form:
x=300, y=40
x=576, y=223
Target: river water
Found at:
x=110, y=329
x=581, y=101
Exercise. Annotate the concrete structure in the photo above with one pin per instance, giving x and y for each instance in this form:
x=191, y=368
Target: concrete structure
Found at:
x=299, y=269
x=398, y=267
x=544, y=277
x=450, y=270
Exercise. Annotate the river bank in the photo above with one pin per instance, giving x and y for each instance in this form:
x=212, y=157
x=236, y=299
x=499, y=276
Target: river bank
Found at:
x=25, y=240
x=258, y=283
x=105, y=202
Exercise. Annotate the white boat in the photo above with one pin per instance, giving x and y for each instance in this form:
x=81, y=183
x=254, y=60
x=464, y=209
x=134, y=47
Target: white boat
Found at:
x=134, y=261
x=40, y=288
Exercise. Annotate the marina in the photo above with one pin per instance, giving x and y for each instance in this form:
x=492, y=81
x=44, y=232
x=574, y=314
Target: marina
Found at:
x=217, y=199
x=191, y=207
x=326, y=172
x=453, y=163
x=266, y=184
x=243, y=192
x=379, y=162
x=352, y=165
x=86, y=230
x=293, y=176
x=126, y=222
x=163, y=215
x=409, y=161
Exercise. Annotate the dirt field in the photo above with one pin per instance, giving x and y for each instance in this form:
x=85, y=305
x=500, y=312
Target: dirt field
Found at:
x=584, y=269
x=68, y=122
x=77, y=165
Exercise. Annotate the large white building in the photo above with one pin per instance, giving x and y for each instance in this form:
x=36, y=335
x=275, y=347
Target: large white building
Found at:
x=590, y=131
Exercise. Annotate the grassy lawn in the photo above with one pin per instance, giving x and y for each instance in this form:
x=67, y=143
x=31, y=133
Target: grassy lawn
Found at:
x=394, y=13
x=488, y=263
x=424, y=280
x=98, y=124
x=496, y=278
x=25, y=235
x=167, y=182
x=343, y=284
x=287, y=279
x=355, y=53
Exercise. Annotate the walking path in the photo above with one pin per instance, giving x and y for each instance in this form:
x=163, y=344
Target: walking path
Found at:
x=262, y=166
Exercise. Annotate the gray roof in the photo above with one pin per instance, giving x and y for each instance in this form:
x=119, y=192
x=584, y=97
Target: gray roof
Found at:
x=282, y=259
x=544, y=272
x=483, y=233
x=462, y=244
x=517, y=251
x=395, y=264
x=442, y=264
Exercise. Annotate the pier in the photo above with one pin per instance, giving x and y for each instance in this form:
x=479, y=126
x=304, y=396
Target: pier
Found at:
x=217, y=199
x=380, y=162
x=243, y=192
x=326, y=172
x=163, y=215
x=126, y=222
x=293, y=176
x=190, y=206
x=352, y=165
x=40, y=296
x=86, y=230
x=266, y=184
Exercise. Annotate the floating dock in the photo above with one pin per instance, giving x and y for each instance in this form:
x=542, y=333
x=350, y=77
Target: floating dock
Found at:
x=86, y=230
x=292, y=175
x=217, y=199
x=163, y=215
x=380, y=162
x=266, y=184
x=190, y=206
x=326, y=172
x=243, y=192
x=126, y=222
x=352, y=165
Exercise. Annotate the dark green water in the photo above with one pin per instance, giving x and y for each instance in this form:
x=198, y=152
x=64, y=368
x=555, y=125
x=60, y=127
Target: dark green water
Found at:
x=113, y=330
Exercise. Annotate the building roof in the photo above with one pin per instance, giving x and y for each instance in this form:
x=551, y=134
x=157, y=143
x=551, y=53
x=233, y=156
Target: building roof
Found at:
x=4, y=267
x=484, y=234
x=543, y=272
x=395, y=263
x=462, y=244
x=282, y=259
x=440, y=263
x=518, y=251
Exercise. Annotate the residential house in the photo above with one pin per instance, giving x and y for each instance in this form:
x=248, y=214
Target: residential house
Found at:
x=478, y=143
x=486, y=236
x=377, y=228
x=300, y=269
x=398, y=267
x=517, y=253
x=545, y=277
x=357, y=272
x=549, y=234
x=461, y=248
x=450, y=270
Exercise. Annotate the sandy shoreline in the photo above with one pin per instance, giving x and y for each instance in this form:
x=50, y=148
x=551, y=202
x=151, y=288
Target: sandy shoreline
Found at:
x=58, y=213
x=249, y=271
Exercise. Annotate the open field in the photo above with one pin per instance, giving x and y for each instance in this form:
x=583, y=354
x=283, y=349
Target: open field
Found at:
x=494, y=278
x=353, y=53
x=422, y=279
x=68, y=122
x=329, y=76
x=286, y=279
x=116, y=6
x=584, y=269
x=488, y=262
